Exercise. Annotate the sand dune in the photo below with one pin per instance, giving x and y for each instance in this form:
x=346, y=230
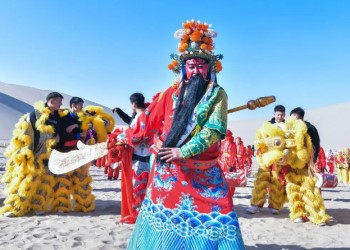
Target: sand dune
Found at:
x=11, y=109
x=331, y=123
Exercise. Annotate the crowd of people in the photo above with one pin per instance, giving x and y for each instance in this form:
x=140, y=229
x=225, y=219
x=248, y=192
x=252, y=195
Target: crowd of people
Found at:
x=173, y=156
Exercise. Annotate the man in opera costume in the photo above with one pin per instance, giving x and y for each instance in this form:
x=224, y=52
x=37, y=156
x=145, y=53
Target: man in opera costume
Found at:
x=188, y=204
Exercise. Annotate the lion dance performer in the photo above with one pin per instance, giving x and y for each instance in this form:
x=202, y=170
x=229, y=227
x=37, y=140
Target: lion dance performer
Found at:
x=97, y=124
x=291, y=147
x=269, y=178
x=188, y=204
x=342, y=160
x=305, y=200
x=29, y=184
x=75, y=126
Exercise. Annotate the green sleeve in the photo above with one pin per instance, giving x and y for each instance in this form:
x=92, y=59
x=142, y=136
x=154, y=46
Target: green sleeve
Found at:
x=200, y=142
x=214, y=128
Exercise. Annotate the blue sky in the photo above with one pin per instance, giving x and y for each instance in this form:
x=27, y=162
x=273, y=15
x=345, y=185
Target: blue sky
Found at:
x=297, y=50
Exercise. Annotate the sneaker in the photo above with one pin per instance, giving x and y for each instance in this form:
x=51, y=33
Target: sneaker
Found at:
x=298, y=220
x=39, y=213
x=110, y=178
x=274, y=211
x=9, y=214
x=253, y=209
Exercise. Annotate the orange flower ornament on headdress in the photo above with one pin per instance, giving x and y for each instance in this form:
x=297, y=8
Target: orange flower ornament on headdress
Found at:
x=196, y=40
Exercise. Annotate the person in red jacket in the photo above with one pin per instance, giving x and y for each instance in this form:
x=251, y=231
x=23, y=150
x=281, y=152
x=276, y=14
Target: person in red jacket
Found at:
x=241, y=154
x=227, y=157
x=330, y=160
x=248, y=160
x=321, y=161
x=228, y=153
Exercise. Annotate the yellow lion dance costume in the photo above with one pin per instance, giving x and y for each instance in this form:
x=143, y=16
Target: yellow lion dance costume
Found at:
x=271, y=159
x=290, y=147
x=29, y=185
x=76, y=185
x=342, y=163
x=98, y=124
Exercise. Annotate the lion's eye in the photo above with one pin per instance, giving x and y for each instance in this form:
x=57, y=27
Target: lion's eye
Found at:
x=277, y=142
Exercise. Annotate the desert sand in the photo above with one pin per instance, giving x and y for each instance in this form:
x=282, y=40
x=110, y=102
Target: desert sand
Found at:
x=101, y=229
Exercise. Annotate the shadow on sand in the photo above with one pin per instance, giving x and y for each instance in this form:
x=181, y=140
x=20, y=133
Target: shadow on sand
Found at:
x=286, y=247
x=340, y=215
x=106, y=190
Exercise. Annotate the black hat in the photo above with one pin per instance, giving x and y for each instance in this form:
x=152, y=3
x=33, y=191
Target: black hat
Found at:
x=53, y=95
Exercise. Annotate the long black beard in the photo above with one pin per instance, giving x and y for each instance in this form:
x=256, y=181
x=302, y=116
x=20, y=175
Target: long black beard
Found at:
x=195, y=90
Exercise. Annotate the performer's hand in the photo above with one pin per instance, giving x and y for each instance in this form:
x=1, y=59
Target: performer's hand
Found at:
x=57, y=138
x=115, y=110
x=170, y=154
x=71, y=127
x=83, y=134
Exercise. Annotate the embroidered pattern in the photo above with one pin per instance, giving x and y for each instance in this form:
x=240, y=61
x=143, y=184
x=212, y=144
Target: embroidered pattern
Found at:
x=185, y=221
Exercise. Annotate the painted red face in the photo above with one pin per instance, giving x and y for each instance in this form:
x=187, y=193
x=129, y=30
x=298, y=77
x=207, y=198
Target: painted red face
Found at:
x=196, y=66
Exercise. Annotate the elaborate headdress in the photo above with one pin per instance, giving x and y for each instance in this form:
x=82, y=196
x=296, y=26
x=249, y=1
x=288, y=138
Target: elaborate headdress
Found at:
x=196, y=40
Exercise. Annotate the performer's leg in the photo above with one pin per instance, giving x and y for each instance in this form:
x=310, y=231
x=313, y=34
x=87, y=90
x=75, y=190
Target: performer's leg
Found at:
x=63, y=192
x=43, y=198
x=314, y=203
x=295, y=197
x=347, y=176
x=340, y=174
x=344, y=175
x=141, y=172
x=116, y=173
x=109, y=173
x=19, y=193
x=259, y=192
x=84, y=200
x=277, y=196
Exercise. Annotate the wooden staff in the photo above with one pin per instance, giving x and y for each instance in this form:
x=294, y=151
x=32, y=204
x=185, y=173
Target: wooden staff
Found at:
x=253, y=104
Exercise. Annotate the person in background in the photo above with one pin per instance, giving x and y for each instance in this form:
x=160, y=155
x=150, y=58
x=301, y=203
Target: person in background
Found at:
x=249, y=161
x=241, y=154
x=137, y=101
x=73, y=191
x=140, y=159
x=298, y=113
x=305, y=200
x=321, y=161
x=268, y=181
x=330, y=160
x=279, y=114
